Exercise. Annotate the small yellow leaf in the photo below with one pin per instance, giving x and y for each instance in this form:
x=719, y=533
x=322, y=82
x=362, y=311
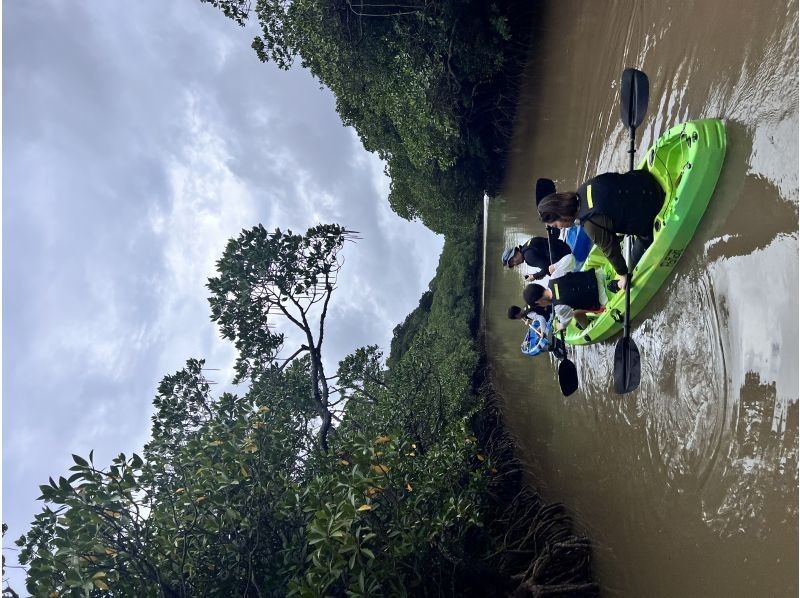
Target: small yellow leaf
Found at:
x=259, y=425
x=244, y=472
x=373, y=490
x=201, y=498
x=110, y=551
x=343, y=462
x=264, y=409
x=411, y=454
x=481, y=457
x=382, y=440
x=409, y=488
x=378, y=468
x=180, y=491
x=364, y=508
x=413, y=445
x=250, y=448
x=100, y=584
x=379, y=454
x=99, y=574
x=215, y=443
x=53, y=595
x=493, y=470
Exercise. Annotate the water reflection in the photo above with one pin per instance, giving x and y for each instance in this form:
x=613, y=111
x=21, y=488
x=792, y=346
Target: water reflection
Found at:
x=761, y=480
x=763, y=97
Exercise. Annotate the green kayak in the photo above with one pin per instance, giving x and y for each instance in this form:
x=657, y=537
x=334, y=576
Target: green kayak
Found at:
x=687, y=161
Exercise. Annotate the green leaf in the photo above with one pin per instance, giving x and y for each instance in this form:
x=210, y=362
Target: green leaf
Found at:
x=368, y=552
x=80, y=460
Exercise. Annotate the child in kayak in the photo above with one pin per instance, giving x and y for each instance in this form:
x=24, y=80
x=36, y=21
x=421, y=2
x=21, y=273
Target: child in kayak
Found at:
x=571, y=294
x=515, y=312
x=608, y=205
x=528, y=313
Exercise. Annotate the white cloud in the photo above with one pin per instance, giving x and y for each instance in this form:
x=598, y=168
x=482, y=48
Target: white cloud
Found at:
x=208, y=205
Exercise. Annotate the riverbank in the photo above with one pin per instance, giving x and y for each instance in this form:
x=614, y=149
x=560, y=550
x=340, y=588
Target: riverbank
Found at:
x=538, y=546
x=528, y=547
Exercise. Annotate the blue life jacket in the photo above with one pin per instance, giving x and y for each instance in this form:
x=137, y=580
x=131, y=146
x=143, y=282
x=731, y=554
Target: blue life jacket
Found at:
x=580, y=244
x=533, y=344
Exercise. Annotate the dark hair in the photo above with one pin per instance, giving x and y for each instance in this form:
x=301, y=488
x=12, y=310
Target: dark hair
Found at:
x=532, y=293
x=545, y=312
x=513, y=312
x=558, y=206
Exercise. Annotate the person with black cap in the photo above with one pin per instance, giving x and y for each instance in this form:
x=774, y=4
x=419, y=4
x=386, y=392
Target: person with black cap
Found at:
x=536, y=253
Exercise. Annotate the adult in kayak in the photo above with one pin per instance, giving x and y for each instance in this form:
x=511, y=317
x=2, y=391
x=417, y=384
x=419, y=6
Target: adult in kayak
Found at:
x=536, y=253
x=608, y=205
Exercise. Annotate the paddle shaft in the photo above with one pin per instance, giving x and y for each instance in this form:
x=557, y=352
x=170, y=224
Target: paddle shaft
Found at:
x=553, y=307
x=567, y=373
x=626, y=332
x=635, y=90
x=632, y=149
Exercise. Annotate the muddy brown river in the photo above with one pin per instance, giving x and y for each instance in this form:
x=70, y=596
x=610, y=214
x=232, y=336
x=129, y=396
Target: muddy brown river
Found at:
x=689, y=485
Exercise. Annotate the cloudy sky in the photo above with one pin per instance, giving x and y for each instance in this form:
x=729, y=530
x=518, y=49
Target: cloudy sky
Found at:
x=137, y=138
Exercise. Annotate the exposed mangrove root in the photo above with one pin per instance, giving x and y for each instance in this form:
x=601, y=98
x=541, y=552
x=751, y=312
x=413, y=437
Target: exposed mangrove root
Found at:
x=536, y=550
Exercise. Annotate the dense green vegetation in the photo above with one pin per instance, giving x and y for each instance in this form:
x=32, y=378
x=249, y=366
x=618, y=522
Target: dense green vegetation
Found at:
x=373, y=481
x=428, y=85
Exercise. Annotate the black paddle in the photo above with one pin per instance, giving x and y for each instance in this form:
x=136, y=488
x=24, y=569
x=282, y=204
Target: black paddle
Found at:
x=545, y=187
x=567, y=372
x=634, y=96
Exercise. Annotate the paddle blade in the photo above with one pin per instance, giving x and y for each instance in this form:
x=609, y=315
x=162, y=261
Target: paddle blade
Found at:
x=634, y=96
x=567, y=377
x=544, y=187
x=627, y=366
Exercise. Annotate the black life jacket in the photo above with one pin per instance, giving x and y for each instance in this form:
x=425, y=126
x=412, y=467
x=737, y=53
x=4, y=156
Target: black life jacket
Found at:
x=631, y=200
x=536, y=253
x=576, y=289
